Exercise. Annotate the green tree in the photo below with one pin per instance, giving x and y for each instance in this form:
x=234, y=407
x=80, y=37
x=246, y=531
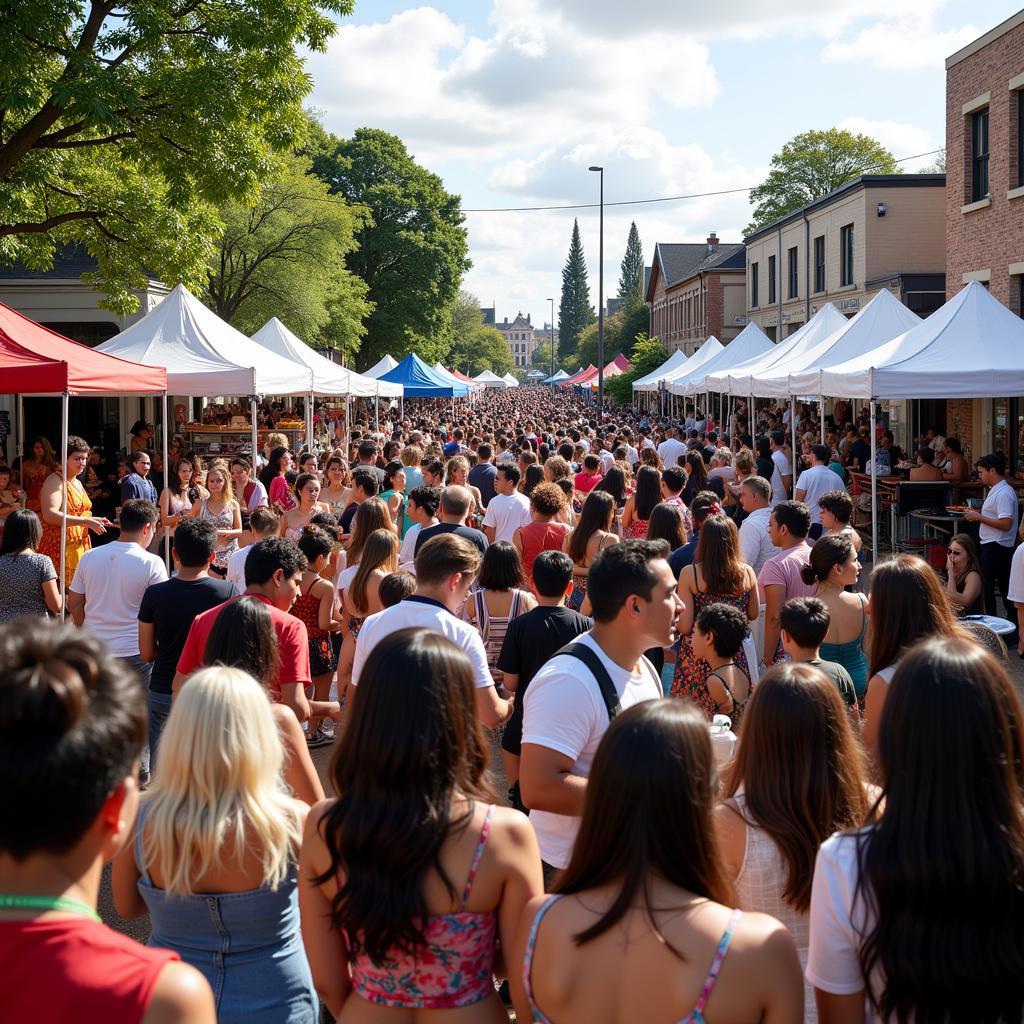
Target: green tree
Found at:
x=621, y=331
x=476, y=347
x=285, y=257
x=123, y=126
x=631, y=273
x=810, y=166
x=648, y=355
x=574, y=310
x=937, y=166
x=412, y=250
x=541, y=358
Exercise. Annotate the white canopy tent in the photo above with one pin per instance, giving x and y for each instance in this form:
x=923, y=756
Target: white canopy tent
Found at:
x=328, y=377
x=744, y=379
x=709, y=348
x=651, y=381
x=490, y=380
x=449, y=376
x=881, y=319
x=511, y=381
x=748, y=344
x=556, y=377
x=384, y=365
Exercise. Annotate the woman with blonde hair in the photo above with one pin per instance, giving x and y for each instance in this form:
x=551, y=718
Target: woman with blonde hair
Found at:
x=216, y=849
x=221, y=509
x=457, y=472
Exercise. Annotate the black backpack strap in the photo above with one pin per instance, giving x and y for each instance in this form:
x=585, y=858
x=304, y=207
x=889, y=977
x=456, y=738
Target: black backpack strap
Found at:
x=599, y=672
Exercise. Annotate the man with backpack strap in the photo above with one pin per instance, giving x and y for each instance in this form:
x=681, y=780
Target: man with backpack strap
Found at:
x=572, y=699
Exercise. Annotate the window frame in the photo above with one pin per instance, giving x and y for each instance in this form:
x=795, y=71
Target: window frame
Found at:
x=846, y=255
x=794, y=272
x=771, y=280
x=980, y=160
x=753, y=286
x=819, y=265
x=1020, y=138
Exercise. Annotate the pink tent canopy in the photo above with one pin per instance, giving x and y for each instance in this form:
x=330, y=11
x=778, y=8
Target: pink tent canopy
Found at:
x=579, y=377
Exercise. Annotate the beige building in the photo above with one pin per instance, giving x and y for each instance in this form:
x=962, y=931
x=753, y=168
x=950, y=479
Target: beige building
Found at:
x=519, y=337
x=877, y=231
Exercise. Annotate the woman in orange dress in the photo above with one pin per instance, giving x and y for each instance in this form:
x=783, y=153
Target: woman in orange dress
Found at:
x=80, y=520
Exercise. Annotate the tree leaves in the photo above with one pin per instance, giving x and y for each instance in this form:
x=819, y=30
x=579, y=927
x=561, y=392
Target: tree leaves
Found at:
x=631, y=272
x=574, y=309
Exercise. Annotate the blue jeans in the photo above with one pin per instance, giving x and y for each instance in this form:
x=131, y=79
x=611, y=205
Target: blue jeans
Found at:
x=142, y=670
x=159, y=708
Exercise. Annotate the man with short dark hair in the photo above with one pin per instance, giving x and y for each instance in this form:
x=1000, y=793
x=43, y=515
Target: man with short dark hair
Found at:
x=804, y=622
x=997, y=531
x=572, y=699
x=530, y=642
x=367, y=461
x=509, y=509
x=167, y=611
x=780, y=577
x=456, y=502
x=422, y=512
x=273, y=572
x=445, y=569
x=816, y=481
x=137, y=483
x=484, y=474
x=782, y=470
x=364, y=487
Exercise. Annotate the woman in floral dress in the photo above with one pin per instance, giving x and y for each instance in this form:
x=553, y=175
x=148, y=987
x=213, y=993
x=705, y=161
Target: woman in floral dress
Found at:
x=719, y=575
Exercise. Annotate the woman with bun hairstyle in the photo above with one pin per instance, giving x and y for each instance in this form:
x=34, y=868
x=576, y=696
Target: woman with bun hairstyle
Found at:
x=642, y=925
x=799, y=775
x=834, y=567
x=215, y=853
x=307, y=493
x=72, y=727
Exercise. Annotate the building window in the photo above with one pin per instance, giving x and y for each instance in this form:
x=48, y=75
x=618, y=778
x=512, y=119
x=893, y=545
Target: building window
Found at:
x=771, y=280
x=979, y=155
x=846, y=254
x=1020, y=138
x=794, y=279
x=753, y=285
x=819, y=263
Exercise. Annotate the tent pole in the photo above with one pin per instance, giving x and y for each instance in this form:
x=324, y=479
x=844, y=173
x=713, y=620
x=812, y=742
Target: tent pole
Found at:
x=167, y=477
x=376, y=411
x=821, y=416
x=252, y=416
x=792, y=428
x=22, y=447
x=874, y=493
x=63, y=454
x=309, y=422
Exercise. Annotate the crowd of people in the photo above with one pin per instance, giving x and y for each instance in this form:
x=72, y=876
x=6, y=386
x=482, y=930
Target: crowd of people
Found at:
x=738, y=779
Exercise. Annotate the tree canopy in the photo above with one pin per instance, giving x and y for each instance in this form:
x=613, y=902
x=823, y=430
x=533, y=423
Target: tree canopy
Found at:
x=631, y=272
x=285, y=257
x=648, y=355
x=123, y=126
x=476, y=347
x=574, y=309
x=621, y=331
x=412, y=249
x=812, y=165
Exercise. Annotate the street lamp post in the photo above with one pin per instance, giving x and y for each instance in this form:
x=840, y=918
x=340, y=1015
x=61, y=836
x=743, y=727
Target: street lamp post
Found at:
x=600, y=305
x=551, y=336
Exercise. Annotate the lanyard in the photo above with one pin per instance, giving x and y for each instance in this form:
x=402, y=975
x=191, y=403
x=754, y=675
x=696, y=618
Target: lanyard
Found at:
x=17, y=901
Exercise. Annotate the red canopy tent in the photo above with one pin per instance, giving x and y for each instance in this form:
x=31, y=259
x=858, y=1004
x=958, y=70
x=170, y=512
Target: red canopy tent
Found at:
x=579, y=378
x=37, y=361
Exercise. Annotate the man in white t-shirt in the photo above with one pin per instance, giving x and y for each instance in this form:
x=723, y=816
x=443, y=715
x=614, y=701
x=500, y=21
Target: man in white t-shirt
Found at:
x=671, y=449
x=997, y=532
x=422, y=511
x=508, y=509
x=262, y=524
x=107, y=589
x=782, y=474
x=446, y=566
x=816, y=481
x=634, y=605
x=756, y=545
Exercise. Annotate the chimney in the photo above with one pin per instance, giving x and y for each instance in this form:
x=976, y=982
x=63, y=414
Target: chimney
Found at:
x=712, y=243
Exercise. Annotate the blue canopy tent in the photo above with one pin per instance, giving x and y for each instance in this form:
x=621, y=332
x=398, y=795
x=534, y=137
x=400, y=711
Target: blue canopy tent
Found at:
x=419, y=380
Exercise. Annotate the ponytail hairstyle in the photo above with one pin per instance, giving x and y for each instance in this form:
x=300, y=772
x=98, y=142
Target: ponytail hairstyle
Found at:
x=826, y=554
x=704, y=504
x=72, y=727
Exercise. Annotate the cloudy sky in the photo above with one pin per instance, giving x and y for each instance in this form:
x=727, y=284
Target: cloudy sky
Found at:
x=511, y=100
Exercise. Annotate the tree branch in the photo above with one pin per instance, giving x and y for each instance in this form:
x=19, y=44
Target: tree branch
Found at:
x=40, y=227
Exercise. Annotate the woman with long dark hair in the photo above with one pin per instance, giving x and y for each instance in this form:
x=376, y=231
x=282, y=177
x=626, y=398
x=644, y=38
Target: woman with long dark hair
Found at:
x=179, y=495
x=666, y=523
x=637, y=511
x=718, y=575
x=917, y=917
x=798, y=776
x=274, y=480
x=697, y=475
x=413, y=874
x=28, y=579
x=592, y=534
x=644, y=907
x=907, y=605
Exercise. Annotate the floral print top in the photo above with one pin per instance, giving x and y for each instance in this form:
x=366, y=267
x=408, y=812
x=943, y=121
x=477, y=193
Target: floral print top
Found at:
x=454, y=968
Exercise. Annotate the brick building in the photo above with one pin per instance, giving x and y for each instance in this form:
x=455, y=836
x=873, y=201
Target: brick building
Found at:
x=985, y=208
x=876, y=231
x=694, y=290
x=985, y=164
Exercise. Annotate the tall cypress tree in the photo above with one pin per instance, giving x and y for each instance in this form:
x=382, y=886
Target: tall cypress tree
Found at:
x=574, y=310
x=631, y=273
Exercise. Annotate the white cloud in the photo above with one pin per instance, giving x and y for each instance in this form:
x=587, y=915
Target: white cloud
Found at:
x=900, y=139
x=905, y=43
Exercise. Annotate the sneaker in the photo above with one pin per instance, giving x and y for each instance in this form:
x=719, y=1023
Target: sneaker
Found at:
x=318, y=739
